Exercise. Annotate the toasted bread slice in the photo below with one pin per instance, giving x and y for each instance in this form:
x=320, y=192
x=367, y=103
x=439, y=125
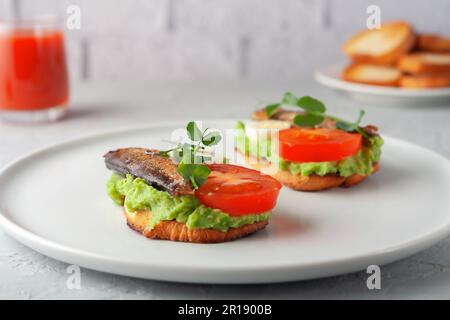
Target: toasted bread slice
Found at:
x=425, y=63
x=176, y=231
x=425, y=81
x=433, y=43
x=372, y=74
x=315, y=182
x=312, y=182
x=381, y=46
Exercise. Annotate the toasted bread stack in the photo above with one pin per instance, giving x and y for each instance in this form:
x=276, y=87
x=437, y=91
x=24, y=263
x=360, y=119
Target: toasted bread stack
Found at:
x=395, y=56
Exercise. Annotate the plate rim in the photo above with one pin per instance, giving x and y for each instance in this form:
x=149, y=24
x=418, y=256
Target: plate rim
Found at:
x=44, y=245
x=322, y=76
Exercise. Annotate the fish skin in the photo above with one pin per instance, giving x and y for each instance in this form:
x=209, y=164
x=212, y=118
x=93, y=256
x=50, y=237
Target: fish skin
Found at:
x=160, y=172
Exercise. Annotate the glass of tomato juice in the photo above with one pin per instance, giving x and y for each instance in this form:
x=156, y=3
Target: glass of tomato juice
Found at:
x=34, y=84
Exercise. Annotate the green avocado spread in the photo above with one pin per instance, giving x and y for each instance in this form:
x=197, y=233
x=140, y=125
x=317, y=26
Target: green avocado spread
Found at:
x=361, y=163
x=136, y=194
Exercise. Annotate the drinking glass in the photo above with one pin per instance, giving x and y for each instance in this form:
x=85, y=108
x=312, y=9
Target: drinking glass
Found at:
x=34, y=84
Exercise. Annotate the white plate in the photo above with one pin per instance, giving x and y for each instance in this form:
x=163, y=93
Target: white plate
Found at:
x=54, y=201
x=370, y=94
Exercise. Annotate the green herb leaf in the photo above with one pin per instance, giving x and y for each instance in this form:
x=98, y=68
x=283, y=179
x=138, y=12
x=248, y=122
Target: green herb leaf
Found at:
x=309, y=104
x=271, y=108
x=361, y=115
x=314, y=113
x=165, y=153
x=192, y=155
x=346, y=126
x=308, y=119
x=211, y=138
x=350, y=126
x=240, y=125
x=290, y=99
x=196, y=173
x=186, y=152
x=193, y=131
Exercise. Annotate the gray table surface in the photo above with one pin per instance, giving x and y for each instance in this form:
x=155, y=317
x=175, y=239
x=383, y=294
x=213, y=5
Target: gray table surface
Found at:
x=26, y=274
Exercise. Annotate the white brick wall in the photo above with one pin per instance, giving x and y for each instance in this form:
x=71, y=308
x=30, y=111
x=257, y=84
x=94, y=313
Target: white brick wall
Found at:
x=7, y=9
x=170, y=56
x=246, y=17
x=217, y=39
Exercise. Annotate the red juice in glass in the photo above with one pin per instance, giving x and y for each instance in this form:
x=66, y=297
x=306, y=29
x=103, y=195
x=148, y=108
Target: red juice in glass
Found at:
x=33, y=72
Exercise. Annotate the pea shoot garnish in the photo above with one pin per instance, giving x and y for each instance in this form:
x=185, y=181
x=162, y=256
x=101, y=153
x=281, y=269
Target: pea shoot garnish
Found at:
x=193, y=154
x=314, y=113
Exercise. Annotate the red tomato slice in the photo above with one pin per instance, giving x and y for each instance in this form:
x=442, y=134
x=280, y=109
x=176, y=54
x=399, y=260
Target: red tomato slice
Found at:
x=238, y=190
x=318, y=145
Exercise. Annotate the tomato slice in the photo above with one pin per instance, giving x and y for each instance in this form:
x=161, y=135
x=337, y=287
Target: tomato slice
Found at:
x=238, y=191
x=318, y=145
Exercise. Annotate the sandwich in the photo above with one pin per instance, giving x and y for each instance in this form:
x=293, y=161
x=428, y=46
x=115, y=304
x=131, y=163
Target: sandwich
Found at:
x=165, y=196
x=315, y=151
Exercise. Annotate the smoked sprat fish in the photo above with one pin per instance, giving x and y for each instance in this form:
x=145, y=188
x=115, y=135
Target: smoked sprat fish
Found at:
x=158, y=171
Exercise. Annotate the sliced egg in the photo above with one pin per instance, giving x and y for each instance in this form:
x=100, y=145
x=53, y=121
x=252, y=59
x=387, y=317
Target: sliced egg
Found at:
x=255, y=129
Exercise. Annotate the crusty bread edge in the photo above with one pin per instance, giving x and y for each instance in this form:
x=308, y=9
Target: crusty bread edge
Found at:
x=315, y=182
x=176, y=231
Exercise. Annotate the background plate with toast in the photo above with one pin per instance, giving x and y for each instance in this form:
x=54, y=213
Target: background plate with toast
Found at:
x=376, y=95
x=394, y=64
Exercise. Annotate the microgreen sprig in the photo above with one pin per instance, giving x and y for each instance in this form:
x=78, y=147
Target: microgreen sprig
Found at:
x=192, y=155
x=314, y=113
